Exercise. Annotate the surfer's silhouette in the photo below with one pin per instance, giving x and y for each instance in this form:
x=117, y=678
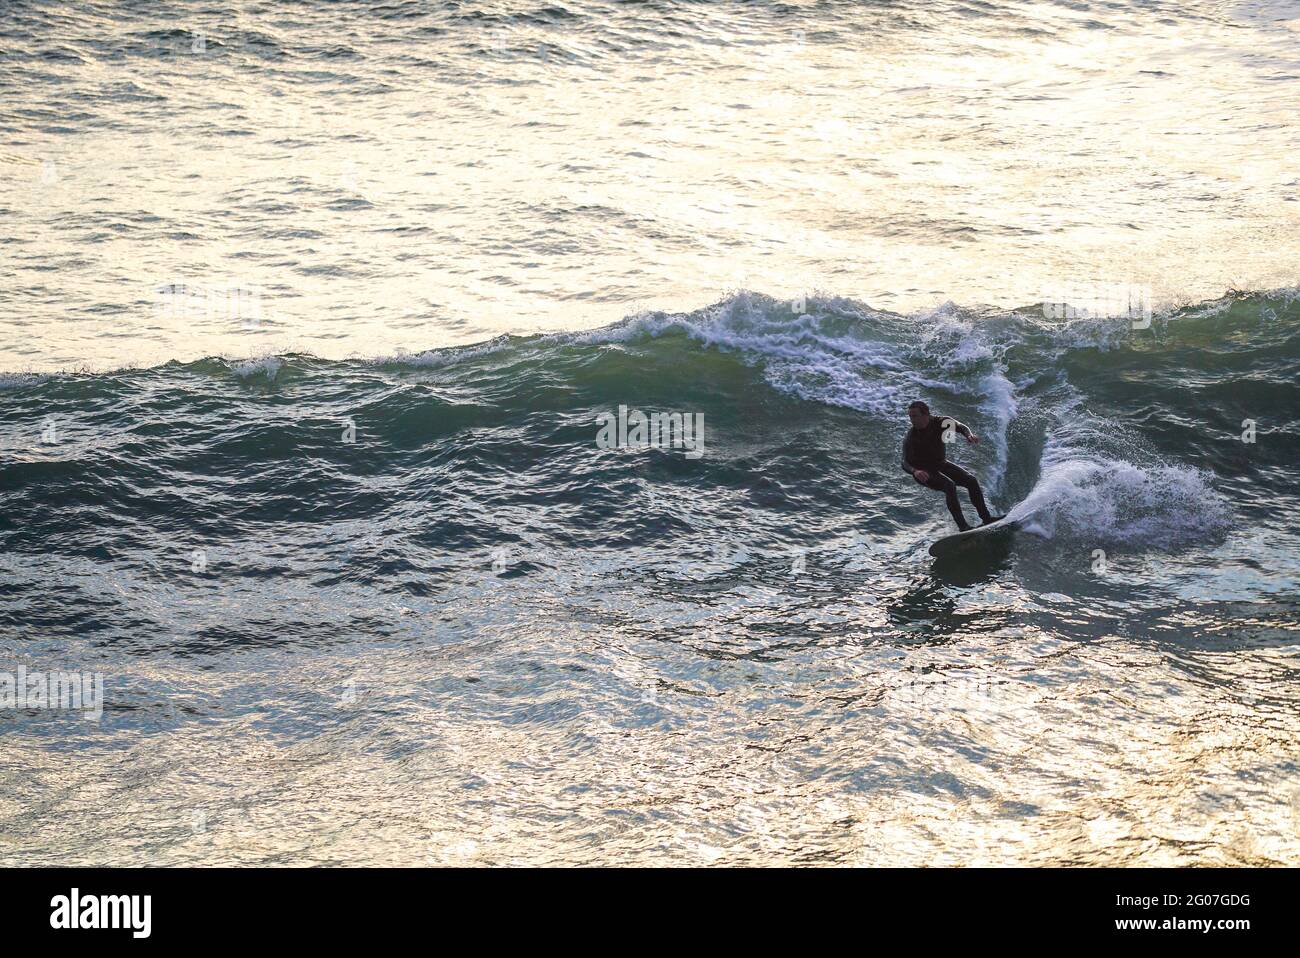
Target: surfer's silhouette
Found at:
x=925, y=457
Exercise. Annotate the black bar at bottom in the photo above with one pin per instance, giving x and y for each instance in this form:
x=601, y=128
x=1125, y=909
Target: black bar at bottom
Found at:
x=212, y=907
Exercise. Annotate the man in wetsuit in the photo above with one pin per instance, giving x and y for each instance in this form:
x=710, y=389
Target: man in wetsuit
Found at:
x=925, y=457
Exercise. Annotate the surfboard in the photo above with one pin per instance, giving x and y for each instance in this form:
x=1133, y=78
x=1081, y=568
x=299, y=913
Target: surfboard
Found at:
x=974, y=538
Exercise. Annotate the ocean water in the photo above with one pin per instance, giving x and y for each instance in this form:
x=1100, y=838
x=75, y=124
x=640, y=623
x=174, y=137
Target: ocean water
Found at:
x=310, y=318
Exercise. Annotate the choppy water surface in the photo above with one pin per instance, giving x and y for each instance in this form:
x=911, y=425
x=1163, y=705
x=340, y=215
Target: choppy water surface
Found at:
x=364, y=587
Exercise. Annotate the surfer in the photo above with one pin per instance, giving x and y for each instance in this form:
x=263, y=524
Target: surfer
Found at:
x=925, y=458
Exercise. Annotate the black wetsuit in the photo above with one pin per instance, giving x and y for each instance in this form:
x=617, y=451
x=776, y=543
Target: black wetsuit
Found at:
x=924, y=449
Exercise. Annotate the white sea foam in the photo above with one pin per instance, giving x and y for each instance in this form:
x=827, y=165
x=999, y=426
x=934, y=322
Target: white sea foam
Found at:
x=18, y=380
x=1113, y=502
x=267, y=366
x=815, y=355
x=449, y=356
x=1000, y=406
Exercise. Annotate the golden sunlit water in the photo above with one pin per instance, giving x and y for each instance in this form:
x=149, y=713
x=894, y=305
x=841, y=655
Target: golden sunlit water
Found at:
x=389, y=182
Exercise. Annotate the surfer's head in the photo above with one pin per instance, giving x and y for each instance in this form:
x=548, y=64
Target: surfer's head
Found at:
x=919, y=413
